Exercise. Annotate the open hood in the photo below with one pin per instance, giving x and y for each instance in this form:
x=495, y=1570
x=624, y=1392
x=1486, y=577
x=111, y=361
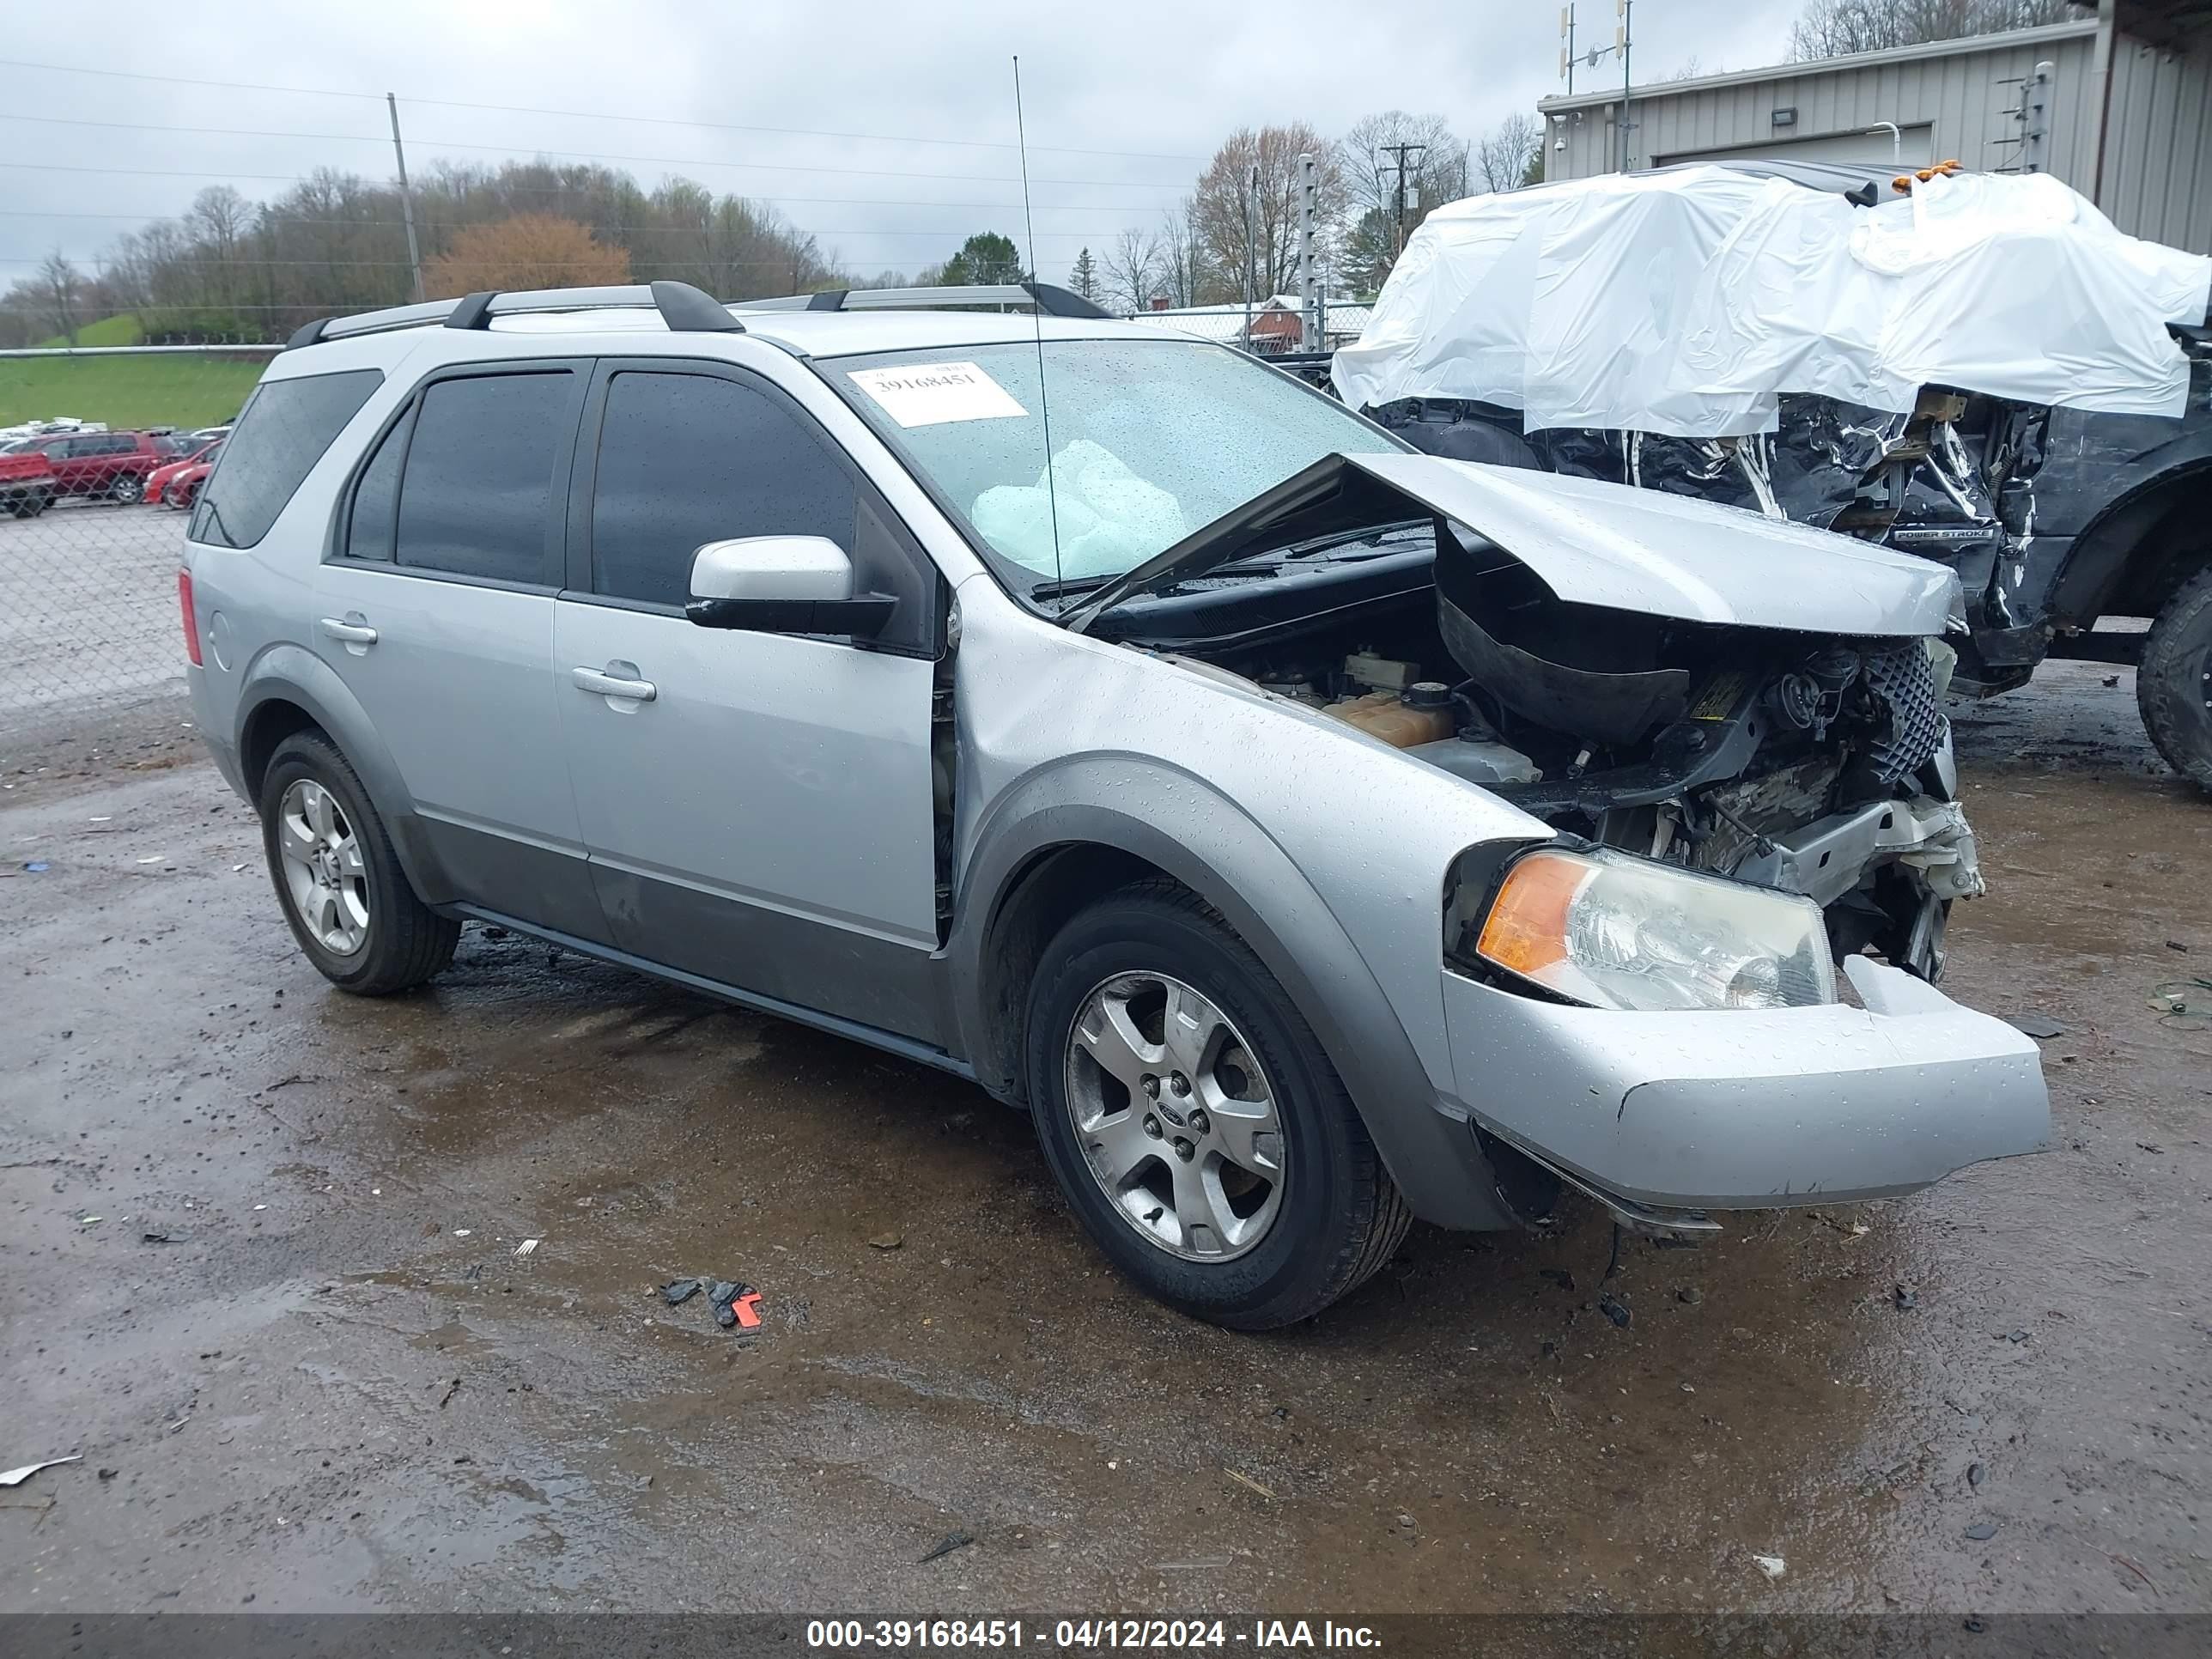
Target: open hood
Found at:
x=1589, y=542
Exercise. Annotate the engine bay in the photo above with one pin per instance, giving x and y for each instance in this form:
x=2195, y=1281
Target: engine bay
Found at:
x=1815, y=763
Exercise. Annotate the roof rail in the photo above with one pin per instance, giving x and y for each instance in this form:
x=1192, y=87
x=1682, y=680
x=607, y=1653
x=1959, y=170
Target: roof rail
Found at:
x=681, y=305
x=1051, y=300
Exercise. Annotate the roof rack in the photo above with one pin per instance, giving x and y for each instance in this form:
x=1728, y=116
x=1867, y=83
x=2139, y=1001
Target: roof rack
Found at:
x=1052, y=301
x=681, y=305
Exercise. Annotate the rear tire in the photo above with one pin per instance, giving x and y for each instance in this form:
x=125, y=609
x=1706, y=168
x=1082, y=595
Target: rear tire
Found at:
x=1337, y=1218
x=347, y=902
x=2173, y=685
x=28, y=507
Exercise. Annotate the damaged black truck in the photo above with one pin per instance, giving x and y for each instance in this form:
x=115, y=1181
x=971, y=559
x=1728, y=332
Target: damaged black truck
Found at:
x=2056, y=518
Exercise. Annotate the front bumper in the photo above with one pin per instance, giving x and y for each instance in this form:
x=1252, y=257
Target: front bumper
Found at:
x=1750, y=1109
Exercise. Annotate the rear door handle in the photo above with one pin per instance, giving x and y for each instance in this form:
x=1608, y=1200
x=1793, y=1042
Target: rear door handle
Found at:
x=602, y=682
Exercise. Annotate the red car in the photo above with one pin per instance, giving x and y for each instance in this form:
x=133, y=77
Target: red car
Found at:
x=107, y=466
x=27, y=485
x=178, y=483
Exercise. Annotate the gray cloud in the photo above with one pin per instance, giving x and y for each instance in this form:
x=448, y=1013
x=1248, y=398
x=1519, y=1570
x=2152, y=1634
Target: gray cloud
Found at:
x=1124, y=101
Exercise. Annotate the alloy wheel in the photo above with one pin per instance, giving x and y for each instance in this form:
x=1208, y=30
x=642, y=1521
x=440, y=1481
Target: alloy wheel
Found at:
x=1176, y=1119
x=323, y=868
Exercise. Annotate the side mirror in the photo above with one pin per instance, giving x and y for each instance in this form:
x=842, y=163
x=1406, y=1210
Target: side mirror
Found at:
x=783, y=584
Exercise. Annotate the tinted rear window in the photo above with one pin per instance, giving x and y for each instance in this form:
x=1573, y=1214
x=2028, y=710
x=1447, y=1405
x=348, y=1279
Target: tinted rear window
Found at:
x=476, y=496
x=286, y=427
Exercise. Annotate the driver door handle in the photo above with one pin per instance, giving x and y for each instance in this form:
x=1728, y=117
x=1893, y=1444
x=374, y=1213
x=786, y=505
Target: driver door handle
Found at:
x=601, y=684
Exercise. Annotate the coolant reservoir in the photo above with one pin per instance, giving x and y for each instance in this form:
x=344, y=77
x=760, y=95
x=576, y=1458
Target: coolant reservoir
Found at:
x=1422, y=713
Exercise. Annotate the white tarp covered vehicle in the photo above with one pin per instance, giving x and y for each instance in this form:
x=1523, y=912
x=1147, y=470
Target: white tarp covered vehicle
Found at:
x=1686, y=302
x=1977, y=369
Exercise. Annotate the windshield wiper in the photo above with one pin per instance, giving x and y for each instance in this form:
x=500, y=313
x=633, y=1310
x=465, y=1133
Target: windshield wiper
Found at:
x=1369, y=537
x=1070, y=585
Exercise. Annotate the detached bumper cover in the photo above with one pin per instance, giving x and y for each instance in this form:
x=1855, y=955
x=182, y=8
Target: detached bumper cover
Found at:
x=1735, y=1110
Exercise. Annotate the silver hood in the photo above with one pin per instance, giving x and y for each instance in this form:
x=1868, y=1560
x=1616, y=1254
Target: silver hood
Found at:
x=1590, y=542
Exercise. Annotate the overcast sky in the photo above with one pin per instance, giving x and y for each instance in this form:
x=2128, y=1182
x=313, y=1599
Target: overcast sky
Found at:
x=1125, y=99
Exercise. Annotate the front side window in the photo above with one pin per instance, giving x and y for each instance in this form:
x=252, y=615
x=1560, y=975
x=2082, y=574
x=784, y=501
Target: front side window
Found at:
x=475, y=496
x=1150, y=440
x=685, y=459
x=283, y=431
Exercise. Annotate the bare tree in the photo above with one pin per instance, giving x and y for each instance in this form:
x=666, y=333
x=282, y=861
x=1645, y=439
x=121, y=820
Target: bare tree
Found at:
x=1369, y=155
x=1083, y=277
x=1187, y=275
x=1830, y=29
x=1502, y=155
x=219, y=221
x=59, y=287
x=1129, y=274
x=1225, y=191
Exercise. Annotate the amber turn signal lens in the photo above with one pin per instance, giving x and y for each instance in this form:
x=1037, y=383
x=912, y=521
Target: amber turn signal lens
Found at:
x=1527, y=928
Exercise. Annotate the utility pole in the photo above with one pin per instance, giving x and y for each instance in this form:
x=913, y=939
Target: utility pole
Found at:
x=1625, y=9
x=1399, y=151
x=1309, y=289
x=406, y=197
x=1251, y=195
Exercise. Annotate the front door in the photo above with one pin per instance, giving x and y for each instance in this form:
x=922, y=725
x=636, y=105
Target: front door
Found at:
x=759, y=807
x=437, y=611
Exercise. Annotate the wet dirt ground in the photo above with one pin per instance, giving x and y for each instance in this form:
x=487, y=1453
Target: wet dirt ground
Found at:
x=337, y=1385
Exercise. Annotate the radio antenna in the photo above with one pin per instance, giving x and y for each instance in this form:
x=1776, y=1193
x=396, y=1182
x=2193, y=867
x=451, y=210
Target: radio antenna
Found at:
x=1037, y=319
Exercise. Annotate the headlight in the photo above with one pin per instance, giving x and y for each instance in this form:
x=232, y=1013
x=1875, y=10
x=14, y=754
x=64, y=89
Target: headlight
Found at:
x=1616, y=932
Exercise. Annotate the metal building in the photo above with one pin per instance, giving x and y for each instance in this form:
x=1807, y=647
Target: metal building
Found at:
x=2118, y=104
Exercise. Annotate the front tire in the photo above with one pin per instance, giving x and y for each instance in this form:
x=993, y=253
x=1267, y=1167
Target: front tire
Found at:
x=2173, y=685
x=128, y=489
x=1194, y=1121
x=349, y=903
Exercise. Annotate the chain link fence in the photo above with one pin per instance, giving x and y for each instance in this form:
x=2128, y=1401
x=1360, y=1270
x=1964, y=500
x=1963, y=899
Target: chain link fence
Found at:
x=101, y=454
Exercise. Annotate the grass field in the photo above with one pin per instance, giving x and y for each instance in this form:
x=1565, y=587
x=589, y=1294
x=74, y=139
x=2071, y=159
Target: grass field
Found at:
x=122, y=329
x=182, y=391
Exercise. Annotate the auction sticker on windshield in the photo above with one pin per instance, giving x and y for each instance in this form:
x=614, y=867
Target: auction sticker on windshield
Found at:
x=929, y=394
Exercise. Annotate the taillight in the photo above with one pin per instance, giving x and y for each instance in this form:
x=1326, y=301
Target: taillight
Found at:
x=191, y=622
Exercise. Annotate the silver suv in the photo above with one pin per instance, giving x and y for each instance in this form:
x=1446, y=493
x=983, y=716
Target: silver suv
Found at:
x=1310, y=833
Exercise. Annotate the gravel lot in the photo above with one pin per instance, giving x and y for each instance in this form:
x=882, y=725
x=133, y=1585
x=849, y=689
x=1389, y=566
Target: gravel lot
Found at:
x=88, y=609
x=337, y=1385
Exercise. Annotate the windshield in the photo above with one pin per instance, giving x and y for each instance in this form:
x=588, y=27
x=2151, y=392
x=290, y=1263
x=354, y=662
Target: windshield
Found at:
x=1150, y=440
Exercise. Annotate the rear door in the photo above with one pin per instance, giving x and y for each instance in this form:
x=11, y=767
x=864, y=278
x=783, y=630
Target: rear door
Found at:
x=762, y=813
x=436, y=609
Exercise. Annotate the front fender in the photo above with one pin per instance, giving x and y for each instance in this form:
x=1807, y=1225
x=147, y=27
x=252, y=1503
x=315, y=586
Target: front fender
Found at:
x=1182, y=824
x=291, y=674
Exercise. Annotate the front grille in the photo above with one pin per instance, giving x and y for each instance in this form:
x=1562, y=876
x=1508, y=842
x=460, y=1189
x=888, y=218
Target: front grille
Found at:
x=1903, y=678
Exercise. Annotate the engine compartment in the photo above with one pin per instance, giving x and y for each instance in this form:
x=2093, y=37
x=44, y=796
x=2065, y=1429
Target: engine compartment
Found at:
x=1751, y=752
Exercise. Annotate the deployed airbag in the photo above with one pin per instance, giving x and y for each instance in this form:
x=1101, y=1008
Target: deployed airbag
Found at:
x=1109, y=518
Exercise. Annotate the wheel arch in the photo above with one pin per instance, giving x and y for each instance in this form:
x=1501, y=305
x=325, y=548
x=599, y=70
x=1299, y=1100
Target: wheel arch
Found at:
x=288, y=690
x=1084, y=829
x=2119, y=565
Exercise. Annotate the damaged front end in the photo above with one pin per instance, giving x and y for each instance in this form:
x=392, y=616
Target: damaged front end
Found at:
x=1674, y=679
x=1817, y=764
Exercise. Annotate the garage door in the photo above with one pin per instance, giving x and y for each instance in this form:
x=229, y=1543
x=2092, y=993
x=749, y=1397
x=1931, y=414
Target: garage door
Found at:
x=1844, y=148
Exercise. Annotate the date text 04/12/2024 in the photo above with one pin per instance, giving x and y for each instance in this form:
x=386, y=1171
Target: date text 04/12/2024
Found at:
x=1080, y=1635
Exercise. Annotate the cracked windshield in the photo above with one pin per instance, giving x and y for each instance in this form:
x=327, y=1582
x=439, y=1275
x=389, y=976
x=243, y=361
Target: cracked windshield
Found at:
x=1150, y=440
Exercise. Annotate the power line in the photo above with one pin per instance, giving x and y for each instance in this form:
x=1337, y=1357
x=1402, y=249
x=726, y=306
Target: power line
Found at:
x=585, y=156
x=264, y=217
x=204, y=260
x=590, y=115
